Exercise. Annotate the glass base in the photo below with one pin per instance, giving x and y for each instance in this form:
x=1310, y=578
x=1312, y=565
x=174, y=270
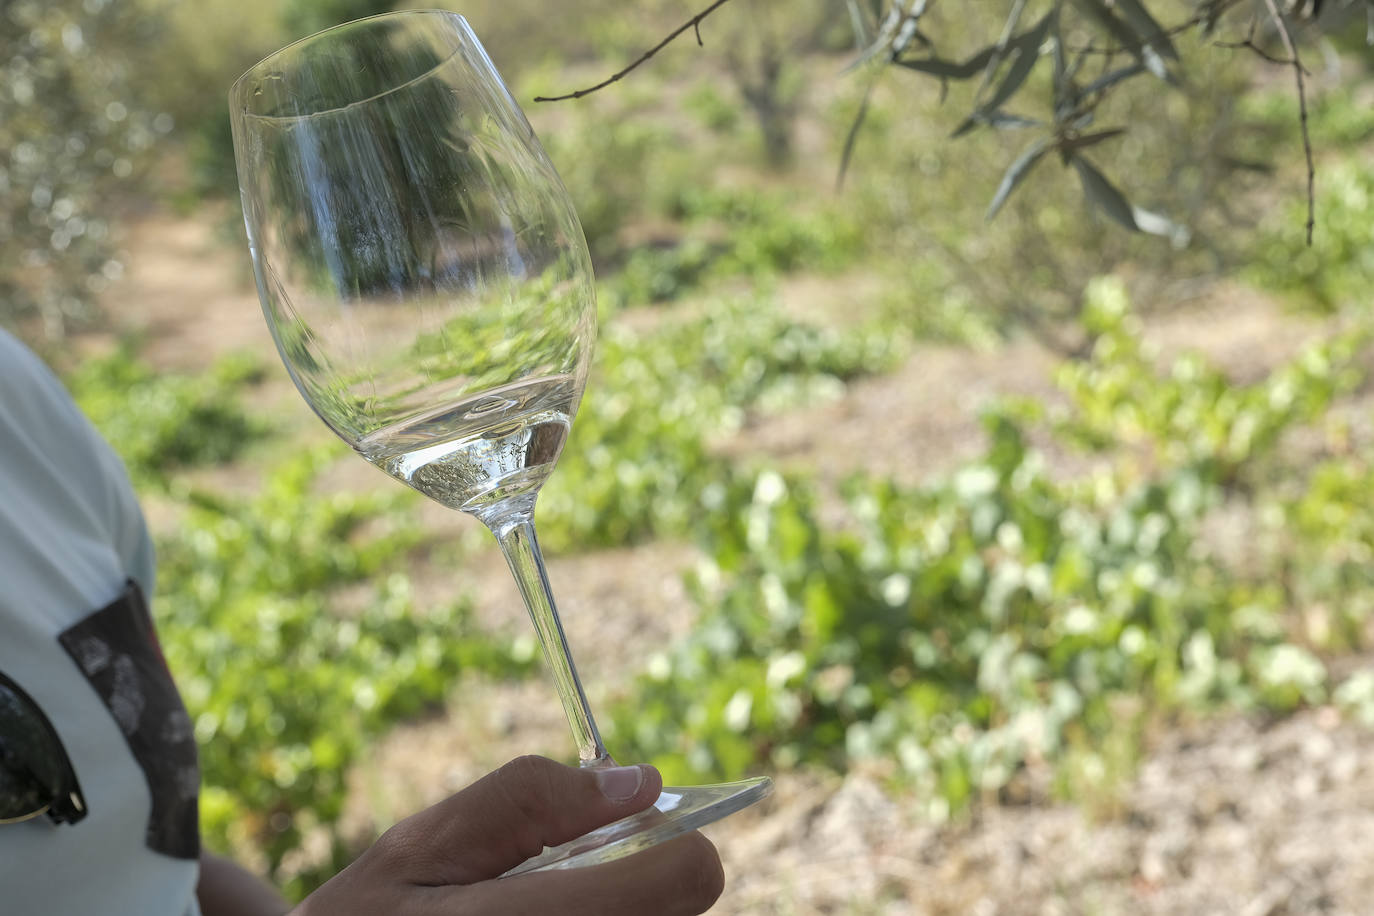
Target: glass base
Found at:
x=678, y=810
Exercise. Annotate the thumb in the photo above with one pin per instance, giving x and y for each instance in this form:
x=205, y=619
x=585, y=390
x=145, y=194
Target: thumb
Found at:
x=512, y=814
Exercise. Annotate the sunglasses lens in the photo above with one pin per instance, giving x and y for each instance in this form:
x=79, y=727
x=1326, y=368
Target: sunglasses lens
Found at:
x=34, y=774
x=20, y=801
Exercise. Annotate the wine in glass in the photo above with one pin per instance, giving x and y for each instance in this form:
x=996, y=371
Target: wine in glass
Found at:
x=428, y=286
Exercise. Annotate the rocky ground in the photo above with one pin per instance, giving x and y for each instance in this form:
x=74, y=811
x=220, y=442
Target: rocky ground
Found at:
x=1230, y=816
x=1234, y=816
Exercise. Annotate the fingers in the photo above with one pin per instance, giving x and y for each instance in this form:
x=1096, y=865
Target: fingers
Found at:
x=509, y=815
x=682, y=877
x=444, y=860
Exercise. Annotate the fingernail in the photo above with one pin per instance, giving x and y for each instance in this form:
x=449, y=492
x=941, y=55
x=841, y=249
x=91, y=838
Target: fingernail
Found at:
x=619, y=783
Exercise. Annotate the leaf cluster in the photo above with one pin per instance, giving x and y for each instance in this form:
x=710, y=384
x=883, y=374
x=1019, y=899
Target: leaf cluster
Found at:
x=640, y=462
x=1336, y=270
x=729, y=234
x=980, y=632
x=1049, y=72
x=161, y=423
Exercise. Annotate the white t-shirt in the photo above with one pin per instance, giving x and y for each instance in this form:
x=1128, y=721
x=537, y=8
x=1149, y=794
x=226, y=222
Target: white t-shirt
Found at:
x=75, y=636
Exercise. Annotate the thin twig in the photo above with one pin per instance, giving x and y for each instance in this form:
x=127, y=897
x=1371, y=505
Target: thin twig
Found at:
x=1250, y=45
x=694, y=23
x=1292, y=49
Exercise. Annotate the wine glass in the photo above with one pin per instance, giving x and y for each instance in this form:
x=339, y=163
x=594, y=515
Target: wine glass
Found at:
x=428, y=286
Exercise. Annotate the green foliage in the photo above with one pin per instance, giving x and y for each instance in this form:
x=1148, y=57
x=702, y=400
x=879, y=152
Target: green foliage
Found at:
x=219, y=42
x=1337, y=118
x=215, y=42
x=1193, y=416
x=738, y=233
x=646, y=183
x=1001, y=619
x=926, y=297
x=537, y=326
x=1026, y=270
x=639, y=462
x=1338, y=268
x=1356, y=697
x=1042, y=72
x=304, y=17
x=965, y=630
x=662, y=273
x=159, y=422
x=1323, y=547
x=763, y=54
x=769, y=231
x=714, y=111
x=614, y=171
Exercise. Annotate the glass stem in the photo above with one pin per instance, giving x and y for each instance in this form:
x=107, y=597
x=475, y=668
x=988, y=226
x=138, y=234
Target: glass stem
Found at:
x=514, y=530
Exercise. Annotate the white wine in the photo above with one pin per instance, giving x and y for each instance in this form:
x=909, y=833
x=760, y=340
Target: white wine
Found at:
x=482, y=450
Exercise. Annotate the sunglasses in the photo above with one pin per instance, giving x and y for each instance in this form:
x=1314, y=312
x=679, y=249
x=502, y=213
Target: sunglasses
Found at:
x=36, y=776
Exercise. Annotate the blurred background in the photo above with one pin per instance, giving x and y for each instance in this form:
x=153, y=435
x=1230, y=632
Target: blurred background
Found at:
x=1031, y=556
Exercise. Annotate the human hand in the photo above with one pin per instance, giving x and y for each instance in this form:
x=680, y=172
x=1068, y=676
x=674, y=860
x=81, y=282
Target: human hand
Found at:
x=444, y=860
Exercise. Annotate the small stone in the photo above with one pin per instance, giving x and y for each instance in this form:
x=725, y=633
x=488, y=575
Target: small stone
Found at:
x=1345, y=766
x=1317, y=747
x=1152, y=867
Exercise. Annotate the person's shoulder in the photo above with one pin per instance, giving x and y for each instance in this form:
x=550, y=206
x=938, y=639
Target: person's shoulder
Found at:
x=16, y=359
x=24, y=378
x=55, y=464
x=40, y=424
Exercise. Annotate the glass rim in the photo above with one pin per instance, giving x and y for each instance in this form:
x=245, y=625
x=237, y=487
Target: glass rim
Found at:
x=240, y=110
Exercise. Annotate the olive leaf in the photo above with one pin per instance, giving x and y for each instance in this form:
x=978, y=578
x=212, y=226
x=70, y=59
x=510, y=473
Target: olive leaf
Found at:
x=948, y=69
x=1130, y=41
x=1025, y=51
x=1159, y=224
x=1148, y=27
x=1107, y=80
x=1002, y=120
x=1003, y=41
x=1104, y=194
x=1061, y=75
x=1017, y=173
x=852, y=137
x=858, y=21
